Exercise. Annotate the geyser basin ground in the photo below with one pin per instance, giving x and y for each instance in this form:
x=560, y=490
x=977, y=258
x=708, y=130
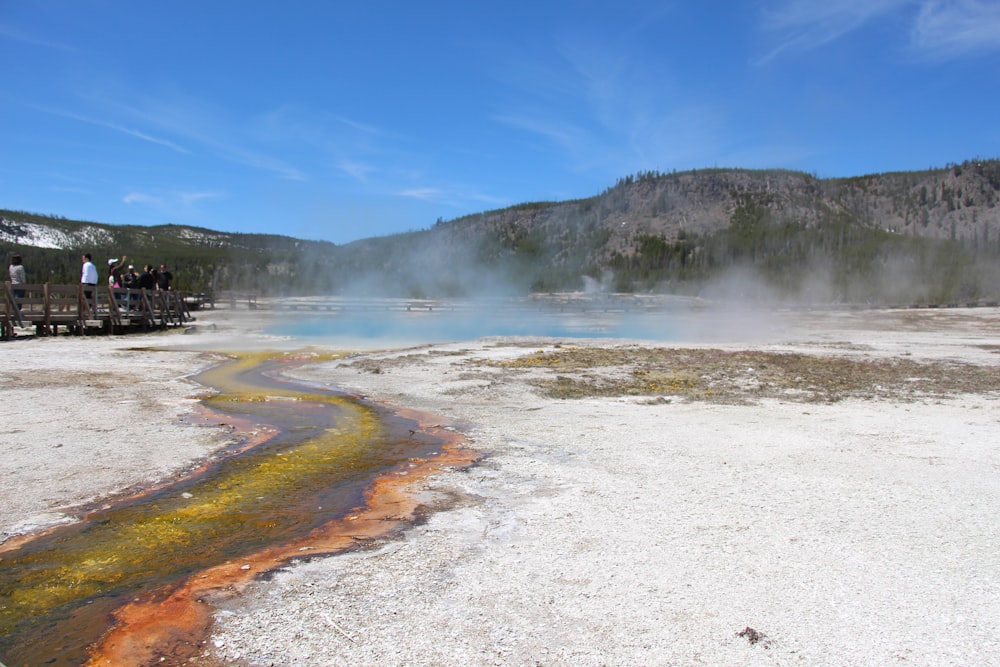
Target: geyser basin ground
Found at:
x=859, y=530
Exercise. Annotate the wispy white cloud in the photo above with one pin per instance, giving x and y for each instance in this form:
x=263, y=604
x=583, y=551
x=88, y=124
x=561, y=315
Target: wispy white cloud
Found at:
x=457, y=198
x=950, y=29
x=117, y=128
x=145, y=137
x=170, y=200
x=554, y=130
x=937, y=29
x=357, y=170
x=362, y=127
x=191, y=198
x=142, y=198
x=258, y=160
x=198, y=123
x=802, y=25
x=423, y=194
x=487, y=199
x=612, y=112
x=8, y=32
x=830, y=18
x=582, y=102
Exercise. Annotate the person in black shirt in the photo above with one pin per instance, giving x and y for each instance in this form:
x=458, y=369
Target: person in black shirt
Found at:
x=147, y=280
x=131, y=278
x=165, y=279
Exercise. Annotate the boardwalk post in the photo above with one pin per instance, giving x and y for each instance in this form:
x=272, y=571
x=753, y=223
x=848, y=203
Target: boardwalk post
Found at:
x=46, y=309
x=11, y=312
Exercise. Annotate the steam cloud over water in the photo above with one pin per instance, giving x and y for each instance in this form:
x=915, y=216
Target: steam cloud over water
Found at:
x=390, y=322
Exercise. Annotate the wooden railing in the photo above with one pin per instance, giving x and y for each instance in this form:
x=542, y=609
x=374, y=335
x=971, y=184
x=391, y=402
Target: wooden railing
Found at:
x=82, y=309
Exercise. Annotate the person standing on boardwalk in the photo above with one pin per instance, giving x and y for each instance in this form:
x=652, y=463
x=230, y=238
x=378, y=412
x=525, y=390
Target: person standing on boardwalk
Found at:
x=131, y=278
x=164, y=279
x=17, y=276
x=147, y=280
x=88, y=278
x=89, y=273
x=115, y=271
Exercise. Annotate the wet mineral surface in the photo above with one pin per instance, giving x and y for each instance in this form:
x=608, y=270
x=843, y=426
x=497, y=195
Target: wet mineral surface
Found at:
x=315, y=464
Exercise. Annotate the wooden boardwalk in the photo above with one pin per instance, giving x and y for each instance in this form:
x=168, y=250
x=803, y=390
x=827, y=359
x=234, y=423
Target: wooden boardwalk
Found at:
x=82, y=309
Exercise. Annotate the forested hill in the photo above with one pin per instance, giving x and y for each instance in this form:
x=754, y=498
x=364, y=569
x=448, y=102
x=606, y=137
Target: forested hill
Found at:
x=923, y=236
x=930, y=236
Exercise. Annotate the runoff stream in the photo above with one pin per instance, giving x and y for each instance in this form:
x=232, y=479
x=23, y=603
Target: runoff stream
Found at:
x=57, y=591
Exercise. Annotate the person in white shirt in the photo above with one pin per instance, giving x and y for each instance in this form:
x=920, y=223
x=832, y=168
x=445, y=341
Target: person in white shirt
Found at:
x=16, y=270
x=17, y=276
x=89, y=274
x=88, y=278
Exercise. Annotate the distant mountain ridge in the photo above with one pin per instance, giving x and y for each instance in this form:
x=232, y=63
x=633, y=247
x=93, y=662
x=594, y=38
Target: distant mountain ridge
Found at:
x=675, y=232
x=958, y=202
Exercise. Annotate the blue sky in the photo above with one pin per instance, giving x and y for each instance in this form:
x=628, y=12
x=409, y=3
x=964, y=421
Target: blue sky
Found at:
x=337, y=121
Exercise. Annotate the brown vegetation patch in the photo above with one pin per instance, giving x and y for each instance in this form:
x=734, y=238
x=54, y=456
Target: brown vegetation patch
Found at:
x=742, y=376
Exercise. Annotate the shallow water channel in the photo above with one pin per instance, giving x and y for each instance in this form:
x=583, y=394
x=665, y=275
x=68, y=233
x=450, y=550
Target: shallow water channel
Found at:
x=57, y=590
